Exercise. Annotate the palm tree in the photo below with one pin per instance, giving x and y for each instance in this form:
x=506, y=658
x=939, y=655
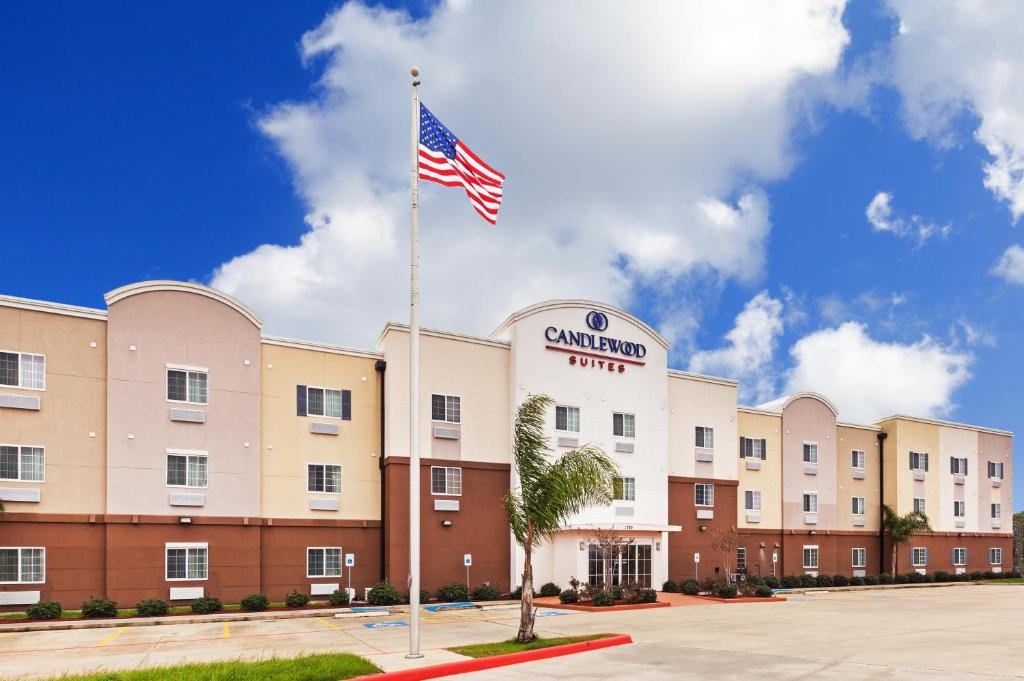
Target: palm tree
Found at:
x=549, y=492
x=899, y=529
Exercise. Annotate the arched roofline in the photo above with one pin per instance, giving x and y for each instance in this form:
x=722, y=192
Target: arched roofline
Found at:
x=183, y=287
x=573, y=302
x=814, y=396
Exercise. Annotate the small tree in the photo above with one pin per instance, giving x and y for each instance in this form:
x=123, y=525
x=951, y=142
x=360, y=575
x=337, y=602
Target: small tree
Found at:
x=899, y=529
x=726, y=542
x=1018, y=541
x=549, y=492
x=611, y=545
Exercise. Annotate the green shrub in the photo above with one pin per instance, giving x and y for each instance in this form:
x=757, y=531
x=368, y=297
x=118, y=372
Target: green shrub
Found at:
x=569, y=596
x=915, y=577
x=823, y=580
x=617, y=592
x=790, y=582
x=929, y=577
x=602, y=598
x=754, y=581
x=670, y=587
x=856, y=581
x=383, y=593
x=485, y=592
x=763, y=592
x=424, y=596
x=885, y=578
x=962, y=577
x=44, y=610
x=97, y=606
x=872, y=580
x=807, y=581
x=727, y=591
x=771, y=581
x=296, y=599
x=451, y=593
x=975, y=576
x=648, y=596
x=840, y=580
x=992, y=575
x=902, y=579
x=339, y=598
x=711, y=585
x=152, y=607
x=550, y=589
x=942, y=576
x=690, y=587
x=206, y=604
x=255, y=603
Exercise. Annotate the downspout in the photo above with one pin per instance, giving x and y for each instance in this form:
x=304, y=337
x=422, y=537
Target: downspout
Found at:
x=380, y=366
x=881, y=501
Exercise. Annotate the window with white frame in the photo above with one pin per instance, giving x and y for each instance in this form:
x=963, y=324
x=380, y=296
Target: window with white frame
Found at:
x=997, y=511
x=567, y=419
x=324, y=402
x=810, y=557
x=959, y=509
x=860, y=558
x=995, y=556
x=752, y=448
x=703, y=494
x=919, y=556
x=995, y=470
x=447, y=408
x=18, y=462
x=752, y=500
x=857, y=459
x=623, y=425
x=704, y=437
x=624, y=489
x=858, y=505
x=446, y=480
x=810, y=452
x=186, y=469
x=960, y=556
x=22, y=565
x=23, y=370
x=919, y=461
x=958, y=465
x=186, y=561
x=741, y=559
x=186, y=385
x=323, y=561
x=919, y=505
x=810, y=502
x=323, y=477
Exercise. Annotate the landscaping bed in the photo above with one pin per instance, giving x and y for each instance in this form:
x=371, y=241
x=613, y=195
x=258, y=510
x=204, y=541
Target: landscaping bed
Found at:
x=478, y=650
x=306, y=668
x=742, y=599
x=619, y=606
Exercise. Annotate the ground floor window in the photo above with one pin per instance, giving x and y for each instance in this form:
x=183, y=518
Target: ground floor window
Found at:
x=323, y=561
x=959, y=556
x=741, y=559
x=995, y=556
x=22, y=565
x=810, y=557
x=860, y=558
x=187, y=561
x=919, y=556
x=621, y=564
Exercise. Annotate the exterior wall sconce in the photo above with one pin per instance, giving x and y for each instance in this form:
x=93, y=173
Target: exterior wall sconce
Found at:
x=703, y=528
x=446, y=523
x=657, y=546
x=185, y=520
x=583, y=546
x=812, y=532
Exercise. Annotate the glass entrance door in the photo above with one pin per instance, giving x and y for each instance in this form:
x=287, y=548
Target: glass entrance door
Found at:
x=625, y=564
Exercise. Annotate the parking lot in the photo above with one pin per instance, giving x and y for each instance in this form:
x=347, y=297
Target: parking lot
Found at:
x=953, y=632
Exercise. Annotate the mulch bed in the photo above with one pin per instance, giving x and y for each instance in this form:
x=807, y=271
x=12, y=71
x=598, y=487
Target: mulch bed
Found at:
x=743, y=599
x=607, y=608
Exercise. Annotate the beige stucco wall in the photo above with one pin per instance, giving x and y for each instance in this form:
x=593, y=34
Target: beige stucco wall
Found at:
x=696, y=402
x=808, y=419
x=769, y=479
x=476, y=371
x=849, y=439
x=918, y=437
x=957, y=442
x=995, y=447
x=288, y=444
x=71, y=424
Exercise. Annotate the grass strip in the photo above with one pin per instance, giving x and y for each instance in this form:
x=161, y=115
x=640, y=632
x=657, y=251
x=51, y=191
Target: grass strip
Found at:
x=513, y=646
x=307, y=668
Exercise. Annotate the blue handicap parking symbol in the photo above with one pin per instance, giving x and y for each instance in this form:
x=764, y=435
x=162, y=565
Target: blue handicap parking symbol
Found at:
x=384, y=625
x=552, y=613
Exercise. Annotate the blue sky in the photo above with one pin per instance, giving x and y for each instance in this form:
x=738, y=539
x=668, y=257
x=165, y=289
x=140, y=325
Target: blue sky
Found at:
x=140, y=143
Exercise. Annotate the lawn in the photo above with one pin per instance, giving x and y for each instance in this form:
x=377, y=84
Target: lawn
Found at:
x=1005, y=580
x=307, y=668
x=513, y=646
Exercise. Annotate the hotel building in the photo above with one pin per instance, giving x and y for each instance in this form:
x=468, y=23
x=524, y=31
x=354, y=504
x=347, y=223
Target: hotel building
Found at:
x=166, y=448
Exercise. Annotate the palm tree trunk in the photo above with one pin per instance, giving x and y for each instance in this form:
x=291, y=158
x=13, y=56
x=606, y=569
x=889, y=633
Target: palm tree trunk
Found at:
x=526, y=616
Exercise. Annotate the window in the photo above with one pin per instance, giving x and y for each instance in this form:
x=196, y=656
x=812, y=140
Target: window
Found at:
x=959, y=556
x=332, y=403
x=959, y=509
x=858, y=505
x=997, y=511
x=995, y=470
x=624, y=489
x=919, y=505
x=810, y=502
x=810, y=452
x=995, y=556
x=624, y=564
x=705, y=437
x=741, y=559
x=623, y=425
x=703, y=494
x=22, y=370
x=860, y=558
x=186, y=470
x=958, y=465
x=810, y=557
x=22, y=565
x=752, y=500
x=446, y=480
x=21, y=463
x=918, y=461
x=919, y=556
x=323, y=477
x=186, y=385
x=186, y=561
x=857, y=459
x=752, y=448
x=447, y=408
x=567, y=419
x=323, y=562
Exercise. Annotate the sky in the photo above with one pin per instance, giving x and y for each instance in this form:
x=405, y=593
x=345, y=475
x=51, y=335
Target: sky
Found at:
x=804, y=196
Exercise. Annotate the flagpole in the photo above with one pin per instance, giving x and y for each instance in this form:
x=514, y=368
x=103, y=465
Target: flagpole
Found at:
x=414, y=383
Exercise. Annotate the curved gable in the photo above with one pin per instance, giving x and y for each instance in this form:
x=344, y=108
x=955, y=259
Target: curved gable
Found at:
x=183, y=287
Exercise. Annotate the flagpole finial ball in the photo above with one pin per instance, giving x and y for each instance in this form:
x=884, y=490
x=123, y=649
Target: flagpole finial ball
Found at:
x=415, y=71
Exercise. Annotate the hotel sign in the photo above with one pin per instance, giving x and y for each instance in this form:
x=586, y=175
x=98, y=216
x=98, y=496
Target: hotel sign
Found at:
x=595, y=350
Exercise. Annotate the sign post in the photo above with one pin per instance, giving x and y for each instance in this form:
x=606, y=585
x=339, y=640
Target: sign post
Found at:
x=467, y=560
x=350, y=562
x=696, y=565
x=775, y=559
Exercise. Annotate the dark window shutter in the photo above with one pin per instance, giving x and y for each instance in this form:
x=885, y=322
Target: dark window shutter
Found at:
x=911, y=460
x=743, y=447
x=346, y=405
x=952, y=464
x=300, y=400
x=926, y=462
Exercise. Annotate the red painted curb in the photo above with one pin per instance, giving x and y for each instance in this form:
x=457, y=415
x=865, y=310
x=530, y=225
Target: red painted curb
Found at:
x=479, y=664
x=743, y=599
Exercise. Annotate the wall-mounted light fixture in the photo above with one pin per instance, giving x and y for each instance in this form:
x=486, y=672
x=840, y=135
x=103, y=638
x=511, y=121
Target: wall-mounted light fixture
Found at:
x=703, y=528
x=657, y=546
x=812, y=532
x=446, y=523
x=185, y=520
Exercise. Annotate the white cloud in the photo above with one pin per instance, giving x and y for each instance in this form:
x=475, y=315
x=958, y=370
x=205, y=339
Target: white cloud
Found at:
x=749, y=349
x=634, y=139
x=956, y=57
x=880, y=214
x=1010, y=265
x=869, y=379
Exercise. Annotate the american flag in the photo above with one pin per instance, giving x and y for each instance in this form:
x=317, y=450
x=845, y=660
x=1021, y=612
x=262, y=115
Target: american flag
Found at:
x=446, y=160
